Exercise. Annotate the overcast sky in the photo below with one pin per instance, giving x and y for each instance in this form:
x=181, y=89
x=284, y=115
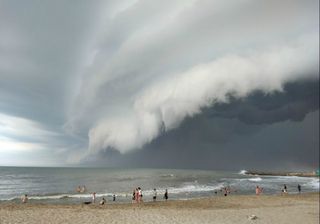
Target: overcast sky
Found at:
x=207, y=84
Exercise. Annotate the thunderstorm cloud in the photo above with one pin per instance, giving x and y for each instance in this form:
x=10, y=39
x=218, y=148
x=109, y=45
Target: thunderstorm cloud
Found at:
x=120, y=83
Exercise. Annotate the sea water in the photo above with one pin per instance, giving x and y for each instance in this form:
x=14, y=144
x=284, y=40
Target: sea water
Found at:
x=58, y=185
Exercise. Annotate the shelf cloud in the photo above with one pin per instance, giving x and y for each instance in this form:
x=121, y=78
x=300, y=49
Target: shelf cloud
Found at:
x=111, y=82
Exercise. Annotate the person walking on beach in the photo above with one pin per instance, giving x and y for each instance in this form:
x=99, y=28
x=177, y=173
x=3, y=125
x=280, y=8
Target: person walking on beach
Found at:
x=154, y=194
x=165, y=196
x=114, y=197
x=140, y=195
x=299, y=188
x=137, y=195
x=133, y=195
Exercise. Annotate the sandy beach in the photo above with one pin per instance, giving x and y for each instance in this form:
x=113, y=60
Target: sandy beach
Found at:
x=289, y=209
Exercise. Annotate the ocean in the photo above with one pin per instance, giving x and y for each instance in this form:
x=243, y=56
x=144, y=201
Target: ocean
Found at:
x=58, y=185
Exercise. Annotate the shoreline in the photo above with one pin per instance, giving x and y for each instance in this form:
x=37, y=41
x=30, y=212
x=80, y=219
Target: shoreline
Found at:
x=53, y=199
x=17, y=201
x=170, y=202
x=291, y=209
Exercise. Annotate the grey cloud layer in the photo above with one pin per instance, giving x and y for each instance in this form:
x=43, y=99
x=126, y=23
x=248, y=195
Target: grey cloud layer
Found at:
x=40, y=43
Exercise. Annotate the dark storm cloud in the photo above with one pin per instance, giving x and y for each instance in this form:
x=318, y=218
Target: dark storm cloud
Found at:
x=279, y=146
x=284, y=138
x=296, y=100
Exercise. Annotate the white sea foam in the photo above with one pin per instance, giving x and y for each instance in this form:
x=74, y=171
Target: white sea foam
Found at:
x=59, y=196
x=167, y=175
x=187, y=188
x=66, y=196
x=313, y=183
x=256, y=179
x=243, y=172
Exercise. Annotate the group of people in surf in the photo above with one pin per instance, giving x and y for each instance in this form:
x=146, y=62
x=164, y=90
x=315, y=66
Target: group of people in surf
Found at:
x=226, y=190
x=137, y=196
x=259, y=190
x=284, y=190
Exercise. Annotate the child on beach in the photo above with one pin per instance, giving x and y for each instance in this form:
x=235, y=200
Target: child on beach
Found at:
x=24, y=199
x=103, y=201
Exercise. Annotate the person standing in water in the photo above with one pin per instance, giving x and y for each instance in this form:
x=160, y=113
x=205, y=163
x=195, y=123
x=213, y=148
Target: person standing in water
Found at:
x=299, y=188
x=137, y=195
x=140, y=195
x=257, y=190
x=154, y=194
x=225, y=192
x=165, y=196
x=93, y=197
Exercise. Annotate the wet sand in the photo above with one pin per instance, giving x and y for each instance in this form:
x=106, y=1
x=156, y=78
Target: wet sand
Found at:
x=233, y=209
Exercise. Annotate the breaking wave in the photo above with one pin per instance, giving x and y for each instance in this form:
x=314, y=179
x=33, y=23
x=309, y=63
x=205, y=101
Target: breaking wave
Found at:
x=243, y=172
x=256, y=179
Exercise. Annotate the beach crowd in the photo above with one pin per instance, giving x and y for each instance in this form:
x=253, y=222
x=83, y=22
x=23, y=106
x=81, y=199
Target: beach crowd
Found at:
x=137, y=196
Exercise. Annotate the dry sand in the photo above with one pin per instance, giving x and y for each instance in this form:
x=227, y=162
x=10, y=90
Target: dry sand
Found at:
x=302, y=209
